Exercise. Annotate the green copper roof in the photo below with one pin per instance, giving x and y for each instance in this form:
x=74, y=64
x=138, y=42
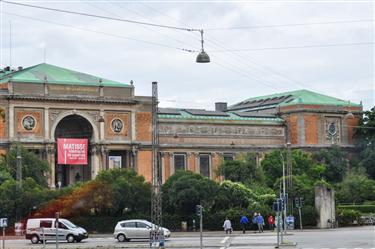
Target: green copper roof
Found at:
x=304, y=97
x=56, y=75
x=183, y=115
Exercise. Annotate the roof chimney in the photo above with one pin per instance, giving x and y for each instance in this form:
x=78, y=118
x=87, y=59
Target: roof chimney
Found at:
x=221, y=106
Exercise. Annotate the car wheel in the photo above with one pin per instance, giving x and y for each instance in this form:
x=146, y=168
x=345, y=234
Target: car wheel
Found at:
x=35, y=239
x=70, y=238
x=121, y=238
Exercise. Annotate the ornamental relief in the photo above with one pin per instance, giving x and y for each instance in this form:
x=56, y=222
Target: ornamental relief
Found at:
x=332, y=130
x=207, y=130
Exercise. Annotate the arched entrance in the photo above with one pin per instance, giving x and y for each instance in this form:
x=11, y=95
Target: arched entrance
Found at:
x=73, y=126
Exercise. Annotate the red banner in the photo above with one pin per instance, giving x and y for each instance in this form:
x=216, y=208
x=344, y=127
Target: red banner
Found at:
x=71, y=151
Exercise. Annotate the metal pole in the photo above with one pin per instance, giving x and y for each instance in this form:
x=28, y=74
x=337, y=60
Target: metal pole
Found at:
x=290, y=174
x=278, y=228
x=19, y=167
x=3, y=237
x=57, y=229
x=201, y=227
x=44, y=238
x=284, y=195
x=300, y=218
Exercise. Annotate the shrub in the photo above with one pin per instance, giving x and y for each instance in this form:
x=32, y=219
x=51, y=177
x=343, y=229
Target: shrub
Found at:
x=360, y=208
x=347, y=216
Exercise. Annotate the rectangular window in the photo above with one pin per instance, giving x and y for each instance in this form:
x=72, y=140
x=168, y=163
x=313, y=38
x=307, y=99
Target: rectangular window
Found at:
x=204, y=164
x=228, y=157
x=179, y=161
x=46, y=223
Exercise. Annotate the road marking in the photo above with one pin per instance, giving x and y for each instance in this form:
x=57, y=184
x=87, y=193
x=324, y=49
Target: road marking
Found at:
x=224, y=240
x=222, y=247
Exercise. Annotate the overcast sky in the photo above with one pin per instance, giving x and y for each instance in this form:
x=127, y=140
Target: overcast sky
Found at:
x=154, y=54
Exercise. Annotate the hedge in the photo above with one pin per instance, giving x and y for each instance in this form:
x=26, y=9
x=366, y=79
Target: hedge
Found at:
x=365, y=209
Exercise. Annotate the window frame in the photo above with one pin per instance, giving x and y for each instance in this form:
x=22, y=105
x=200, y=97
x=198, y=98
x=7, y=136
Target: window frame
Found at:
x=174, y=161
x=209, y=164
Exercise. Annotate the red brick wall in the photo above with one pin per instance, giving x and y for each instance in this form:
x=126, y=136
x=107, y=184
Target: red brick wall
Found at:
x=293, y=128
x=143, y=126
x=191, y=162
x=144, y=164
x=311, y=129
x=2, y=124
x=167, y=166
x=350, y=123
x=216, y=160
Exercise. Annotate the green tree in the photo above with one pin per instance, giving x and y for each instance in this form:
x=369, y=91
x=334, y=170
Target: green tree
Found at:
x=302, y=163
x=365, y=142
x=184, y=190
x=17, y=203
x=335, y=161
x=244, y=169
x=355, y=188
x=32, y=165
x=131, y=194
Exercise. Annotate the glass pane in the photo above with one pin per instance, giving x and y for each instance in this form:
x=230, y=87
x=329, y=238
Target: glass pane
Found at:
x=46, y=223
x=204, y=164
x=141, y=225
x=62, y=226
x=179, y=162
x=130, y=224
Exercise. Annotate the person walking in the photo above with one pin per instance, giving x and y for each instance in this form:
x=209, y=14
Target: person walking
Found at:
x=227, y=226
x=260, y=222
x=255, y=222
x=243, y=221
x=271, y=222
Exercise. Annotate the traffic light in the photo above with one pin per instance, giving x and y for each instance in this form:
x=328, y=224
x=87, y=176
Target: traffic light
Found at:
x=198, y=210
x=297, y=202
x=301, y=201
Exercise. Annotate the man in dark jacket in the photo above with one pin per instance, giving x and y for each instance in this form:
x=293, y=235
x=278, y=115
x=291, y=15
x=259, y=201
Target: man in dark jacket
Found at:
x=243, y=221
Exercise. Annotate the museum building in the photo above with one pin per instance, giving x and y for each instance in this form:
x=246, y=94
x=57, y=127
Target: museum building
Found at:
x=45, y=104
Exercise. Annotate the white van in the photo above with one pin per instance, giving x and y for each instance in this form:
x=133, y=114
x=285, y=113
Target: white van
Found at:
x=41, y=229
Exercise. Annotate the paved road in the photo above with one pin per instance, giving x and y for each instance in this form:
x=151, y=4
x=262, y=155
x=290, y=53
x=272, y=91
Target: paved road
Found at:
x=353, y=237
x=348, y=238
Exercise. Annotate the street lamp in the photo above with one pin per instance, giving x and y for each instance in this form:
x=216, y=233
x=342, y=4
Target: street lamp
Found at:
x=202, y=56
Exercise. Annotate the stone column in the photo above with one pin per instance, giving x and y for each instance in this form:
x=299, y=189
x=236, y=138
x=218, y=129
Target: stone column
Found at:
x=101, y=127
x=191, y=161
x=46, y=123
x=215, y=162
x=95, y=161
x=11, y=122
x=166, y=165
x=103, y=153
x=135, y=157
x=50, y=153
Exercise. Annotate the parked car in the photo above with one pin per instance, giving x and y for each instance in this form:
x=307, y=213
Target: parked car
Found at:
x=41, y=229
x=135, y=229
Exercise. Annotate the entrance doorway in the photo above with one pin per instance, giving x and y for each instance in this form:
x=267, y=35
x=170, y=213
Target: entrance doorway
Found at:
x=73, y=126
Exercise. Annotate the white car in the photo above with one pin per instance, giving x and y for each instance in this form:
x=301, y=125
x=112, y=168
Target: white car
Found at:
x=135, y=229
x=41, y=229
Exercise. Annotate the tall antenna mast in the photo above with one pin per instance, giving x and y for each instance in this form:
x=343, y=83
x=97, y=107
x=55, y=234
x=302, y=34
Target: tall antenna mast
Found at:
x=156, y=208
x=10, y=44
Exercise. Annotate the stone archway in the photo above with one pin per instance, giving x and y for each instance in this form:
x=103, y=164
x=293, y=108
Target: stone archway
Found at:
x=75, y=125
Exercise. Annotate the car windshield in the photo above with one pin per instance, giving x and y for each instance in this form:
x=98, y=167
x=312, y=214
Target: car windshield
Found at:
x=69, y=224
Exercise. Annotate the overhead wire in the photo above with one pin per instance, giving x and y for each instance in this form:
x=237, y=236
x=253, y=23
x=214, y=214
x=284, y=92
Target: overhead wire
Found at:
x=146, y=27
x=99, y=16
x=97, y=32
x=291, y=25
x=151, y=24
x=236, y=69
x=294, y=47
